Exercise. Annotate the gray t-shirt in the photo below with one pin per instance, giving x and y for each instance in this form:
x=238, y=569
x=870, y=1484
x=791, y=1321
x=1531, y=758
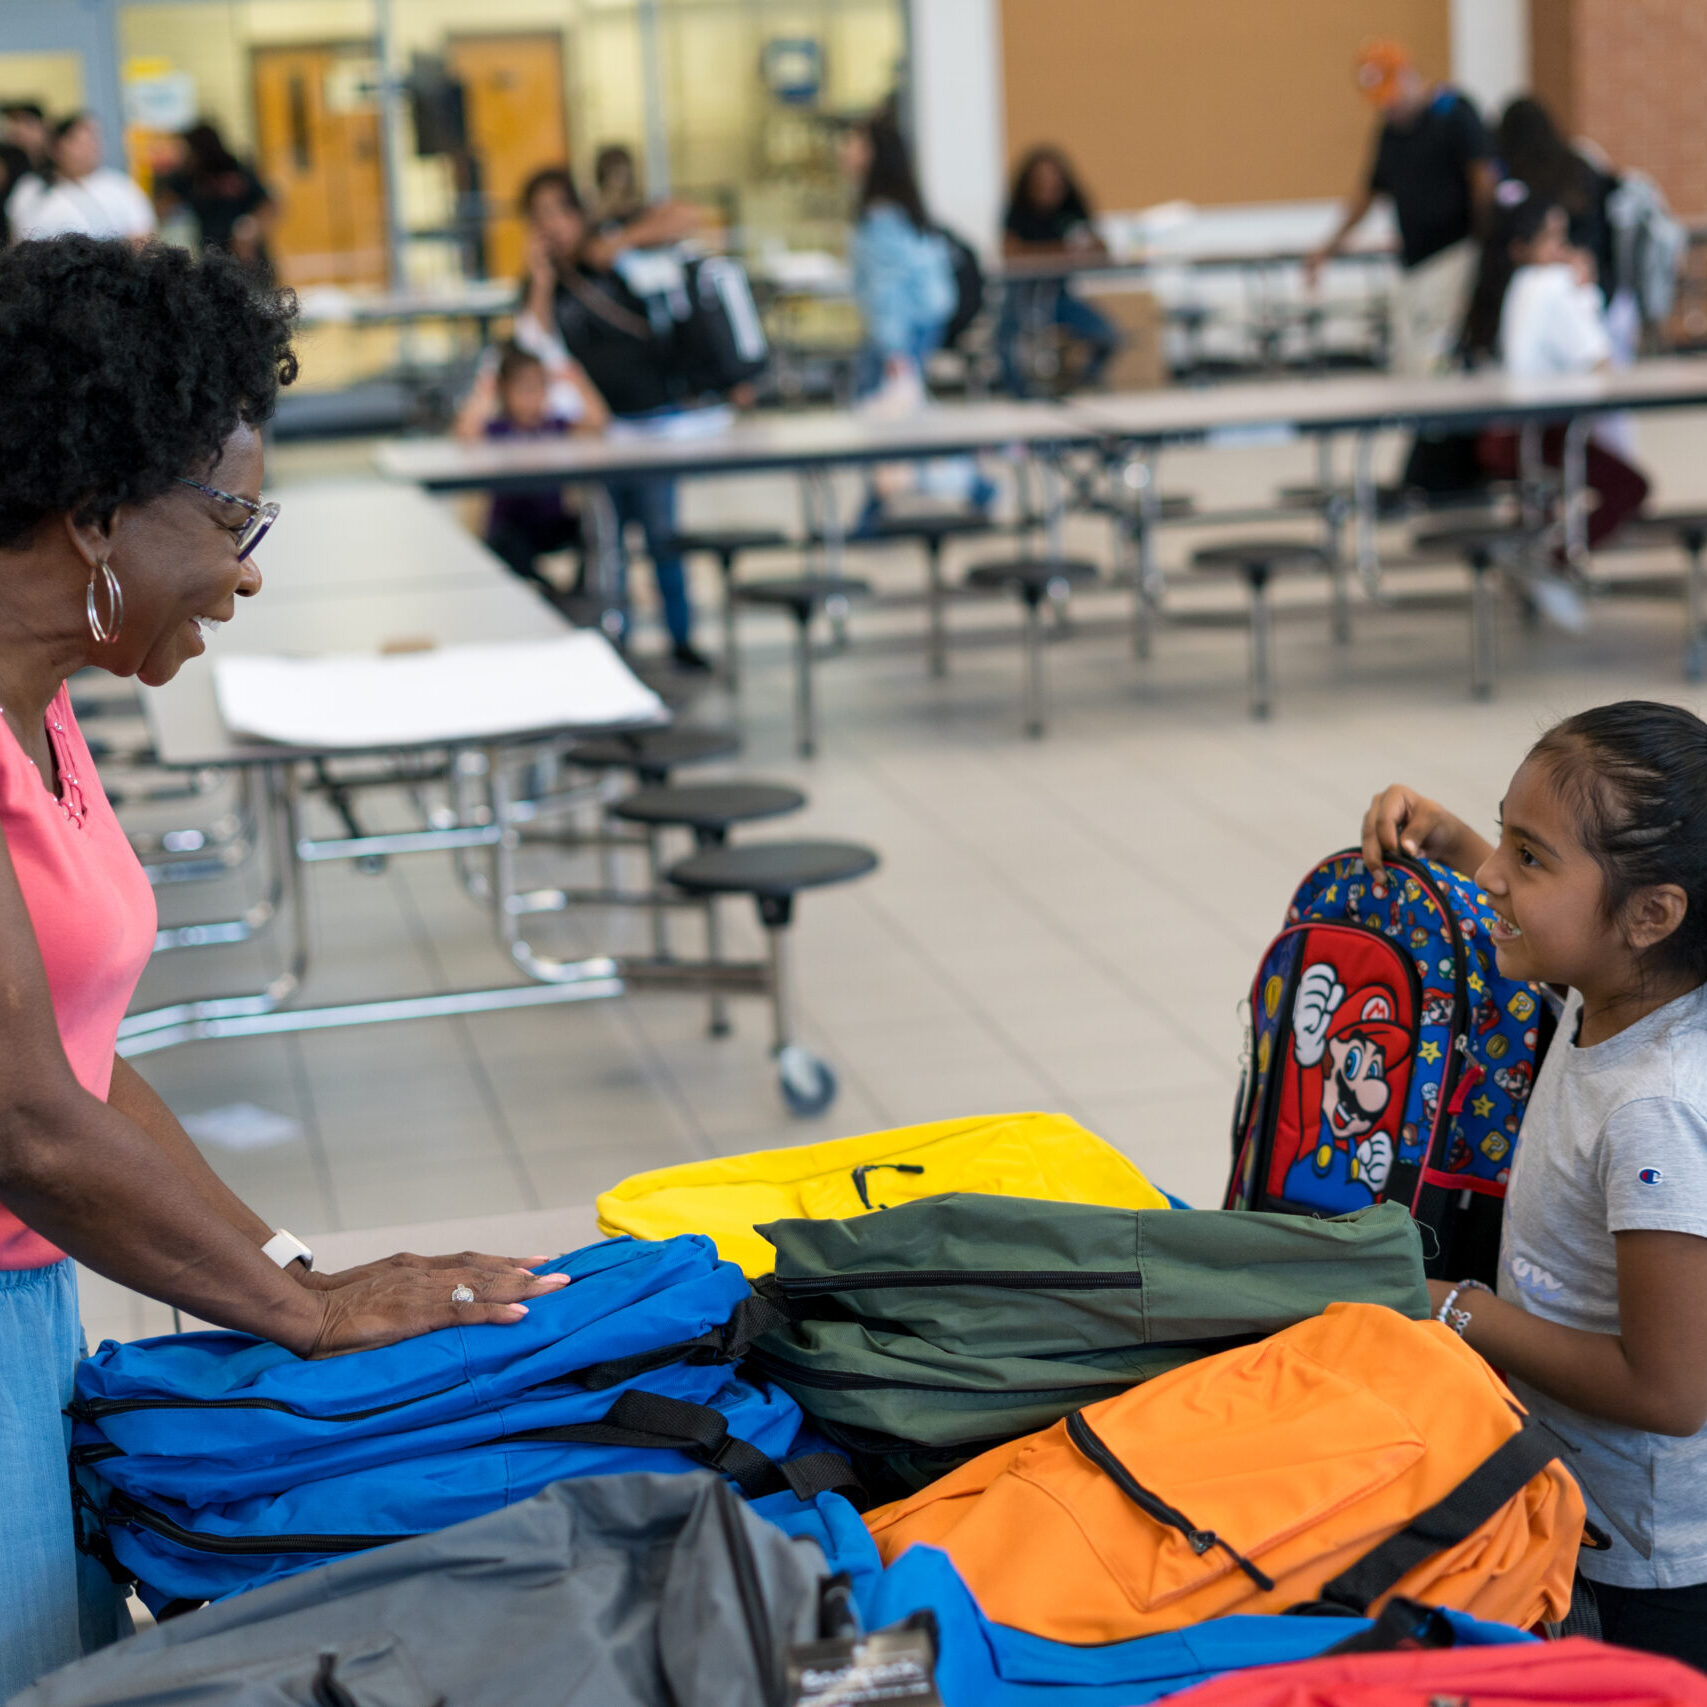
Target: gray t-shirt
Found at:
x=1615, y=1141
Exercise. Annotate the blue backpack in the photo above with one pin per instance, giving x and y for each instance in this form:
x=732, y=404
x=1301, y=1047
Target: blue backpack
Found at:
x=1387, y=1059
x=984, y=1664
x=210, y=1463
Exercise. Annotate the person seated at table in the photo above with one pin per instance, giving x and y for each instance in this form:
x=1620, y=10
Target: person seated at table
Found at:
x=513, y=398
x=575, y=294
x=1538, y=311
x=1049, y=220
x=79, y=194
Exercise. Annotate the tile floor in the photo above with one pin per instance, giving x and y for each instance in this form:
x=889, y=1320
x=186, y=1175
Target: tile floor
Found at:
x=1066, y=924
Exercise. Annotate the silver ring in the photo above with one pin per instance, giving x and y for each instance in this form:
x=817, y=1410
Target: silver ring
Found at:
x=462, y=1295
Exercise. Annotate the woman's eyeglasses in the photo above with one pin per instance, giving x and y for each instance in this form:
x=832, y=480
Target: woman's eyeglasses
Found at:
x=253, y=531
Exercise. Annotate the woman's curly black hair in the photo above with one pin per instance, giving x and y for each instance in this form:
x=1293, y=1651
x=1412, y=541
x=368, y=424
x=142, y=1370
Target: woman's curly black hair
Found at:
x=121, y=369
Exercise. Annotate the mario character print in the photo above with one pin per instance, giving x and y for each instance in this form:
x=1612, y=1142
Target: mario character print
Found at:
x=1352, y=1060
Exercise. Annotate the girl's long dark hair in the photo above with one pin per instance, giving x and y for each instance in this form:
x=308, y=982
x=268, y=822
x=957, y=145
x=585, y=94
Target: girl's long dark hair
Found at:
x=1534, y=152
x=208, y=155
x=1518, y=217
x=889, y=177
x=1073, y=203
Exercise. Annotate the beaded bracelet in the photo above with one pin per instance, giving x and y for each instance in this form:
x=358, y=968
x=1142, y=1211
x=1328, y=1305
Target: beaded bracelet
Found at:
x=1458, y=1320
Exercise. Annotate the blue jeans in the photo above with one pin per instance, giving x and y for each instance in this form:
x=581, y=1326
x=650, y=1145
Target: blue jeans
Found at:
x=55, y=1603
x=1029, y=308
x=652, y=504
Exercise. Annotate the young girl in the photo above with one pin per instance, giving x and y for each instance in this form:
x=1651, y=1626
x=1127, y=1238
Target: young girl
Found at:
x=1538, y=310
x=1599, y=879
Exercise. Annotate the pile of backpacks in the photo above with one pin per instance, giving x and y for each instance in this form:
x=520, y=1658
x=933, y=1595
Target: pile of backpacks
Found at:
x=967, y=1414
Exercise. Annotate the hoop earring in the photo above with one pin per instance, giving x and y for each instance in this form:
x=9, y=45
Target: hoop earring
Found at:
x=107, y=632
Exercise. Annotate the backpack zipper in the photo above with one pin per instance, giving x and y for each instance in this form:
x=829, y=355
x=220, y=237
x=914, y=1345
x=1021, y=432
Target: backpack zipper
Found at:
x=92, y=1410
x=1043, y=1280
x=135, y=1513
x=841, y=1380
x=1091, y=1446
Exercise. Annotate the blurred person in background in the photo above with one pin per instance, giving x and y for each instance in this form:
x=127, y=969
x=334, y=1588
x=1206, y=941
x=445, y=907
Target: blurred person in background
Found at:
x=903, y=278
x=1433, y=160
x=233, y=210
x=14, y=168
x=616, y=188
x=1538, y=312
x=81, y=196
x=23, y=124
x=1048, y=218
x=576, y=295
x=514, y=397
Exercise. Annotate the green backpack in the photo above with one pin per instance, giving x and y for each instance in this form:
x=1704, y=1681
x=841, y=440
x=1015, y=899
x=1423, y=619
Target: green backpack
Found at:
x=922, y=1335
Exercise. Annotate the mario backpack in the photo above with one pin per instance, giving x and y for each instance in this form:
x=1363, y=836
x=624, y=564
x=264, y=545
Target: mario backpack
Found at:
x=1387, y=1059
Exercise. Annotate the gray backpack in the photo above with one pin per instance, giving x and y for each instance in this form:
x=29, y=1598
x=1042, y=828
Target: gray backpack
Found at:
x=611, y=1591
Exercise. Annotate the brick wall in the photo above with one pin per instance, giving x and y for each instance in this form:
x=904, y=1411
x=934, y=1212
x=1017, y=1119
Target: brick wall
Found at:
x=1632, y=76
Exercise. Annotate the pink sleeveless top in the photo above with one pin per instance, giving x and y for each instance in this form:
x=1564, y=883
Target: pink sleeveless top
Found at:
x=92, y=908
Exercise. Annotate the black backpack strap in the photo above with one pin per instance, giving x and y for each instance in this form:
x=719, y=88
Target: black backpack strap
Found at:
x=653, y=1422
x=727, y=1343
x=1499, y=1477
x=1404, y=1626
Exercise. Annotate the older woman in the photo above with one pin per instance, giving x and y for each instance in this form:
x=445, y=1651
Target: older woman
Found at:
x=130, y=480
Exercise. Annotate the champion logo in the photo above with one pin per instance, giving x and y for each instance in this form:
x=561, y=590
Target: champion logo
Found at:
x=1650, y=1176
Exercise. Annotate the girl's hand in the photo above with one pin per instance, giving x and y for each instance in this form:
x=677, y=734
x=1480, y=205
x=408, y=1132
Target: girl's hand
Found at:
x=1401, y=821
x=394, y=1302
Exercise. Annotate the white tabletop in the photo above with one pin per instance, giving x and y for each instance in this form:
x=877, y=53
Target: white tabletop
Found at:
x=341, y=538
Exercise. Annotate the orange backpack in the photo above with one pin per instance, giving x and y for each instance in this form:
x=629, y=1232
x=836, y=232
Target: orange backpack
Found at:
x=1353, y=1456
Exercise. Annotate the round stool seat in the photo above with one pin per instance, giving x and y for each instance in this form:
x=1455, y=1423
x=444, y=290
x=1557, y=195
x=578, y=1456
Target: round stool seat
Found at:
x=1248, y=555
x=772, y=871
x=1683, y=525
x=709, y=807
x=655, y=752
x=801, y=594
x=1390, y=501
x=1168, y=507
x=931, y=529
x=729, y=542
x=1031, y=574
x=1481, y=534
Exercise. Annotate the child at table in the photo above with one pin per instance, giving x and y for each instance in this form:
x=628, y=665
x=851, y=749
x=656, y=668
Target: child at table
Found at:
x=515, y=396
x=1538, y=309
x=1599, y=879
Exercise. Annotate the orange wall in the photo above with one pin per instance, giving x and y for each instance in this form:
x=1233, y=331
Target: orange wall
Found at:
x=1210, y=100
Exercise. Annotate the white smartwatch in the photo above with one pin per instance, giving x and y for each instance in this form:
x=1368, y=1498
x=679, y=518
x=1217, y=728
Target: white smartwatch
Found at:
x=285, y=1248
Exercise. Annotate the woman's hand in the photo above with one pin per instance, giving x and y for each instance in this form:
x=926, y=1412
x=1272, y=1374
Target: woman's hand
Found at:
x=1401, y=821
x=396, y=1301
x=318, y=1281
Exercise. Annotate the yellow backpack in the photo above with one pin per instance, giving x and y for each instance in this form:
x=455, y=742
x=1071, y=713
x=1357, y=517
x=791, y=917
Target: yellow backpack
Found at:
x=1043, y=1156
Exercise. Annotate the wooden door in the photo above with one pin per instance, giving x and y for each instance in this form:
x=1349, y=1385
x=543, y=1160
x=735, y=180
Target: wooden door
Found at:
x=513, y=92
x=319, y=150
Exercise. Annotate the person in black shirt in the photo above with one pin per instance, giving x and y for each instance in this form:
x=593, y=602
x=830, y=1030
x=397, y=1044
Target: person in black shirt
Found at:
x=1049, y=221
x=1433, y=161
x=573, y=292
x=233, y=209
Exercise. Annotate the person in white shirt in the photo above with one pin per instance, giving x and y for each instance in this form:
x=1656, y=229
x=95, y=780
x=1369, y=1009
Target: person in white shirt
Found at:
x=1538, y=311
x=83, y=196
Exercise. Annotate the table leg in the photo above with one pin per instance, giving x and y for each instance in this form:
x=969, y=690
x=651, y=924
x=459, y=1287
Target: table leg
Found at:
x=1573, y=463
x=805, y=729
x=1364, y=500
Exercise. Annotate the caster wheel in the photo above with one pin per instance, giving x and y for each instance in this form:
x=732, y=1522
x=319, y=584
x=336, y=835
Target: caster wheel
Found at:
x=807, y=1083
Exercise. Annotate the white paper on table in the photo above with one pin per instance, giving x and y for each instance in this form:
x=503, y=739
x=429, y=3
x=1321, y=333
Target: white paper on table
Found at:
x=454, y=693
